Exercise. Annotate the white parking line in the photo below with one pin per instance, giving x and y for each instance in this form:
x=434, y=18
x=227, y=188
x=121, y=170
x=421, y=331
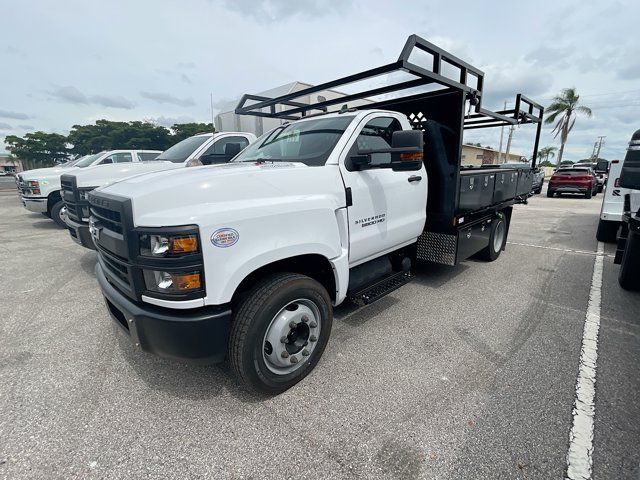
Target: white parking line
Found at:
x=557, y=249
x=580, y=454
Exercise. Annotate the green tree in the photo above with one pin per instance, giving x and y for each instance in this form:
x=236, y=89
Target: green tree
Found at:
x=39, y=149
x=180, y=131
x=544, y=154
x=566, y=106
x=108, y=135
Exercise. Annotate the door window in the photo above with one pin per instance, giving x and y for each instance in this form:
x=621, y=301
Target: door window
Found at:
x=147, y=156
x=124, y=157
x=375, y=135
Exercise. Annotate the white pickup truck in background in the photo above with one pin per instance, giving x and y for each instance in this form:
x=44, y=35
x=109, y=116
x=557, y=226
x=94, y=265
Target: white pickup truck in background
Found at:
x=200, y=149
x=40, y=188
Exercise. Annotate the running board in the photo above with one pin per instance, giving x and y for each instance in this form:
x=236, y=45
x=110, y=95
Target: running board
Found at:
x=379, y=289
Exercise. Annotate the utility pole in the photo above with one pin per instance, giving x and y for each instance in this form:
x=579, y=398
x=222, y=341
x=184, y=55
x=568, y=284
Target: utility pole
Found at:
x=501, y=136
x=506, y=155
x=600, y=143
x=213, y=125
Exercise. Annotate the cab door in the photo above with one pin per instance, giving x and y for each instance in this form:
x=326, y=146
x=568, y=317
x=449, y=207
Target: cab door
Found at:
x=388, y=208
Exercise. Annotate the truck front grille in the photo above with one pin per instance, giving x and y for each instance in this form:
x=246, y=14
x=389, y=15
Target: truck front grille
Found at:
x=108, y=218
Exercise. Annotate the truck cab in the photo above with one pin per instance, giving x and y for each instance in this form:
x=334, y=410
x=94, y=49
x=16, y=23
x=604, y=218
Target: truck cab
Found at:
x=203, y=148
x=246, y=260
x=40, y=188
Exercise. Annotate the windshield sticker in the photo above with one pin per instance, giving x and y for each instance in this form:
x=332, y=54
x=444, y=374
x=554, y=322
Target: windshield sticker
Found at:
x=225, y=237
x=365, y=222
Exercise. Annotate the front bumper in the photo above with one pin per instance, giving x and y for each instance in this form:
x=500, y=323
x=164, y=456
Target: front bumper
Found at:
x=35, y=204
x=198, y=336
x=80, y=233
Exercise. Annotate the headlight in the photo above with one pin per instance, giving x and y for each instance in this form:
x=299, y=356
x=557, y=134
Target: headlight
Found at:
x=33, y=184
x=171, y=282
x=168, y=245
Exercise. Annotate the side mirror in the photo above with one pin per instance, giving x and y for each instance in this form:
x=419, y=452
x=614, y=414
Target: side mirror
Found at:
x=408, y=146
x=602, y=166
x=406, y=153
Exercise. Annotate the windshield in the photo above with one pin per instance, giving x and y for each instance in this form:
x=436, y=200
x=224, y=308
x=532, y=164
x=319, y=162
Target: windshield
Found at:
x=88, y=160
x=71, y=163
x=182, y=150
x=309, y=142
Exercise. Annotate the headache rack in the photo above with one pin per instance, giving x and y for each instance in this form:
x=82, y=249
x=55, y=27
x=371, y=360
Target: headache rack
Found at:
x=441, y=95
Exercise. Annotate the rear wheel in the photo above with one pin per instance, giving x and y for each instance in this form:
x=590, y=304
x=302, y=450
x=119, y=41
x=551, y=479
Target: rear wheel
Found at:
x=588, y=194
x=629, y=276
x=57, y=214
x=550, y=193
x=607, y=231
x=497, y=239
x=279, y=332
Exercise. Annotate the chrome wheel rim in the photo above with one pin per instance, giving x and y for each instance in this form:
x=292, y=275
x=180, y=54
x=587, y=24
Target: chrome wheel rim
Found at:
x=498, y=237
x=292, y=336
x=63, y=214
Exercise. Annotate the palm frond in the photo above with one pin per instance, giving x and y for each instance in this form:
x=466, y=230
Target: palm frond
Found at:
x=586, y=110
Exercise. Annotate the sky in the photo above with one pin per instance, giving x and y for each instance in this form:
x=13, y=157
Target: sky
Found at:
x=73, y=62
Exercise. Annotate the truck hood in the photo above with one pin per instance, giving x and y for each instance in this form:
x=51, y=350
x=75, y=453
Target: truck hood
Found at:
x=103, y=175
x=189, y=195
x=47, y=173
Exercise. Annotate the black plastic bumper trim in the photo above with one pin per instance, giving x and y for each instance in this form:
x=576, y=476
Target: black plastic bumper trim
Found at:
x=198, y=335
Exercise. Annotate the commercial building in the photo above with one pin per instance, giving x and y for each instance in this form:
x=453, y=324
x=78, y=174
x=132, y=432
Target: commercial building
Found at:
x=9, y=163
x=476, y=155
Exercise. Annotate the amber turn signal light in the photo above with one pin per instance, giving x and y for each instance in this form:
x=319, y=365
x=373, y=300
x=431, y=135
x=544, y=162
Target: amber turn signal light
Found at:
x=184, y=245
x=406, y=157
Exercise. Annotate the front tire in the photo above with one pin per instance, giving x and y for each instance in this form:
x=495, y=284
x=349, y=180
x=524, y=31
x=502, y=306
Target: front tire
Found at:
x=56, y=214
x=497, y=239
x=279, y=332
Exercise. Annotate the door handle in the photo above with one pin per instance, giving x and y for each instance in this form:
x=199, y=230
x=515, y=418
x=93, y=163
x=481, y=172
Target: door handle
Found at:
x=414, y=178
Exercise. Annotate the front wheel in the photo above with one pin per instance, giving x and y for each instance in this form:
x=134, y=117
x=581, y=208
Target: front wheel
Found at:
x=58, y=214
x=279, y=332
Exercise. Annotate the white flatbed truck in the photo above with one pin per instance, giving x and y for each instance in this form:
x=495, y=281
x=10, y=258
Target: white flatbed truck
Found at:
x=246, y=260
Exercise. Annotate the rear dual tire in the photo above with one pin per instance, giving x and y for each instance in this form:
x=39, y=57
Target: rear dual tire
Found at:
x=497, y=240
x=607, y=231
x=279, y=332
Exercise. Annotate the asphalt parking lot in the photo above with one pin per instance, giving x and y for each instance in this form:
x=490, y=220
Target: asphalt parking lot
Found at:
x=467, y=372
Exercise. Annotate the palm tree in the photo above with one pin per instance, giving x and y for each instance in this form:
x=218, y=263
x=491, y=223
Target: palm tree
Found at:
x=566, y=107
x=546, y=152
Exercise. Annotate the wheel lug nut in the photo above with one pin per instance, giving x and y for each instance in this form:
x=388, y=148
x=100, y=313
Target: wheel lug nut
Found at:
x=313, y=324
x=313, y=338
x=292, y=324
x=305, y=352
x=293, y=359
x=284, y=354
x=305, y=319
x=283, y=339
